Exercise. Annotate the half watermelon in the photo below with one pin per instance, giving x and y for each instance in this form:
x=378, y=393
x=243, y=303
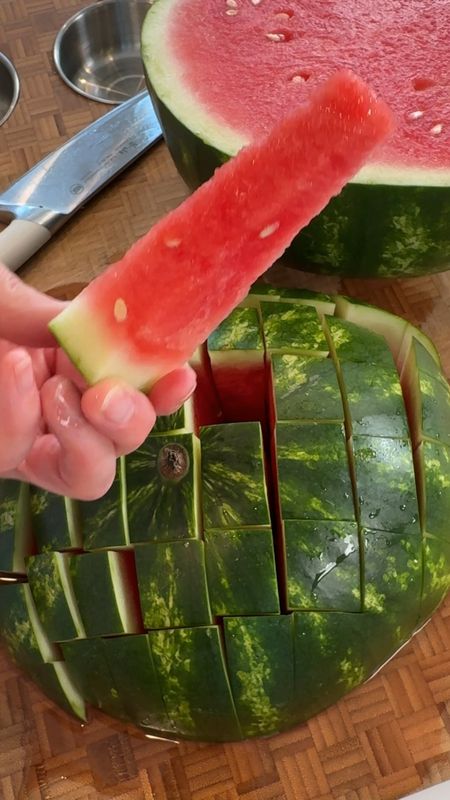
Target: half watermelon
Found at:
x=146, y=314
x=223, y=83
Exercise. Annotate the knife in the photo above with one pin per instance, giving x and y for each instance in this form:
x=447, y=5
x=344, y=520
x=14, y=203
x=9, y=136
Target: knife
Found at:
x=42, y=200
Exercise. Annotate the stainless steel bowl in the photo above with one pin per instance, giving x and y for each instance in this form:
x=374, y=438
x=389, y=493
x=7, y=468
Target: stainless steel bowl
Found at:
x=9, y=88
x=97, y=51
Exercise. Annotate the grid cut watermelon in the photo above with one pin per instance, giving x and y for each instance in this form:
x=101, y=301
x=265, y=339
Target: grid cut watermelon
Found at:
x=276, y=564
x=147, y=314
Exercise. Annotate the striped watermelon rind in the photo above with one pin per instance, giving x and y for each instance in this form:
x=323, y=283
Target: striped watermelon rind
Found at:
x=258, y=569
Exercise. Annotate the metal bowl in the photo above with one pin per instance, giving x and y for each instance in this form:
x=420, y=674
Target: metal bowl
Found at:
x=9, y=88
x=97, y=51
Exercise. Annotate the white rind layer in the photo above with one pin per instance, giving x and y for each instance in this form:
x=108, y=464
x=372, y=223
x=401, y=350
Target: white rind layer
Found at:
x=166, y=76
x=90, y=349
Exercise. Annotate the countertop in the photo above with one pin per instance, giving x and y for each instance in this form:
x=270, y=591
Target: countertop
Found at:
x=385, y=740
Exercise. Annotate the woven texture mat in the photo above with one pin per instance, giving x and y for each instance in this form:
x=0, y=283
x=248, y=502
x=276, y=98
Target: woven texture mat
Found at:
x=384, y=740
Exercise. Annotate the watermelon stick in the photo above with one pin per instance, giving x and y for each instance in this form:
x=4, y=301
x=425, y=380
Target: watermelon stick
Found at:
x=146, y=314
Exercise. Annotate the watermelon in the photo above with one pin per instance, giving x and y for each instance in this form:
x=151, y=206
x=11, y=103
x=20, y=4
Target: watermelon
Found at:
x=220, y=84
x=211, y=249
x=245, y=574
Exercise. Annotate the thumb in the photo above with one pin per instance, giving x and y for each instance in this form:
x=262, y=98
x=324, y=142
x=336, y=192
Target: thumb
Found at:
x=25, y=312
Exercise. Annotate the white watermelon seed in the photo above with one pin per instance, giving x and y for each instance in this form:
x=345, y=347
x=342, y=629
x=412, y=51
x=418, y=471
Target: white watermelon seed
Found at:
x=268, y=230
x=301, y=77
x=120, y=310
x=255, y=2
x=436, y=129
x=172, y=242
x=284, y=15
x=275, y=37
x=231, y=12
x=415, y=114
x=231, y=3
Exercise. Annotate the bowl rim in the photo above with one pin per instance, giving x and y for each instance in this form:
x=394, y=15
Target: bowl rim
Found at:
x=16, y=86
x=83, y=12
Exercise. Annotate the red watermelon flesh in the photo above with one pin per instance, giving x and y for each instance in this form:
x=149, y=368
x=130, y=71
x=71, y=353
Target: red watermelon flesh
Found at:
x=284, y=50
x=146, y=314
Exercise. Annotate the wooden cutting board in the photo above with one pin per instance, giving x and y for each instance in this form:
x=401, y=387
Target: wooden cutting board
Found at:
x=383, y=741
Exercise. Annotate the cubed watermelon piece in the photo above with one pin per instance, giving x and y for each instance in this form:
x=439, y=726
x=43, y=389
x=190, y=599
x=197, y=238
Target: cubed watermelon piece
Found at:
x=293, y=327
x=86, y=660
x=234, y=492
x=52, y=590
x=55, y=521
x=241, y=572
x=374, y=399
x=385, y=484
x=306, y=388
x=141, y=698
x=172, y=584
x=313, y=471
x=323, y=565
x=16, y=539
x=162, y=480
x=259, y=656
x=198, y=709
x=393, y=573
x=104, y=522
x=107, y=580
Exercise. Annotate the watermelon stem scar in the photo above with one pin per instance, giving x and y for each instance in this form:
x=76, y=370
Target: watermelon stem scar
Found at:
x=173, y=462
x=146, y=314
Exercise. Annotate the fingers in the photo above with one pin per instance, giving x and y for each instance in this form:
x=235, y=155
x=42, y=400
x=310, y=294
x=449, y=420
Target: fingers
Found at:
x=25, y=312
x=120, y=413
x=73, y=458
x=20, y=412
x=173, y=390
x=84, y=433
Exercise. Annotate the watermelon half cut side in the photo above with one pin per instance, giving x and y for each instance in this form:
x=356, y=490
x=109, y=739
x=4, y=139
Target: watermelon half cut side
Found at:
x=146, y=314
x=223, y=83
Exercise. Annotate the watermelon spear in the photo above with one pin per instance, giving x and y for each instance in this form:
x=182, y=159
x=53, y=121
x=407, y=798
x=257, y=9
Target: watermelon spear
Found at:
x=146, y=314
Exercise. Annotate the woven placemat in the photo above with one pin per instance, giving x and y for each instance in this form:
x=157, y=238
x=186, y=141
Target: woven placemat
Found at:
x=386, y=739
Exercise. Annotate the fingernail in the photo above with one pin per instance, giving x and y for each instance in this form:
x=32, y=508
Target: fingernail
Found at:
x=118, y=406
x=23, y=373
x=67, y=412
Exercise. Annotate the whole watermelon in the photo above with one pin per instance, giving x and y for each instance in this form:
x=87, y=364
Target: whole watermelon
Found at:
x=266, y=550
x=222, y=72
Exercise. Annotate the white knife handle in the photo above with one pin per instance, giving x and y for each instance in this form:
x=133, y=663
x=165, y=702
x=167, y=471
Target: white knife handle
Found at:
x=20, y=240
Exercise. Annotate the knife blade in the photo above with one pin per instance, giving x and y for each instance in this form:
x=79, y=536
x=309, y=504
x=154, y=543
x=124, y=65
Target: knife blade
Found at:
x=41, y=201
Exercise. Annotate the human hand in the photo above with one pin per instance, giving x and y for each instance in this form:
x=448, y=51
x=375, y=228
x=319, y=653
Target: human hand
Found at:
x=55, y=431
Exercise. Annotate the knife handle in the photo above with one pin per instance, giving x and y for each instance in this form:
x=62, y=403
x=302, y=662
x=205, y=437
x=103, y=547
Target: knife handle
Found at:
x=20, y=240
